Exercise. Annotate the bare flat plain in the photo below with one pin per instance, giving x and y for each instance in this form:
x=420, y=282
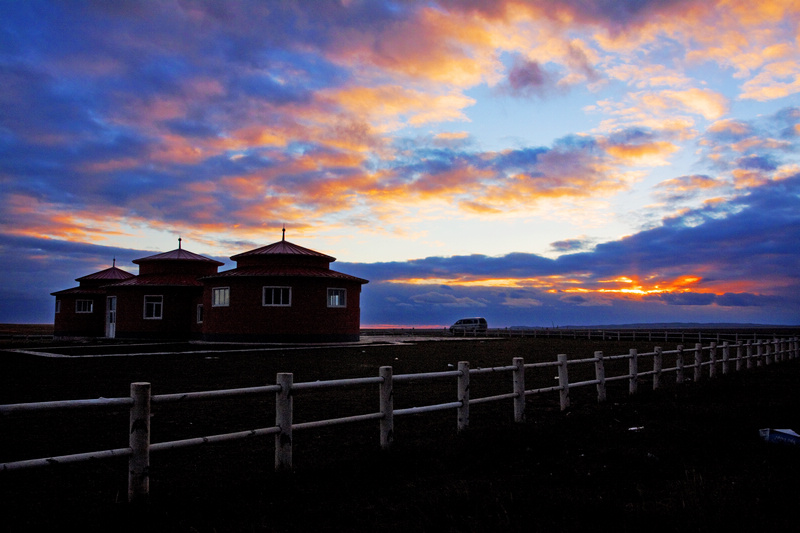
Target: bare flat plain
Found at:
x=684, y=458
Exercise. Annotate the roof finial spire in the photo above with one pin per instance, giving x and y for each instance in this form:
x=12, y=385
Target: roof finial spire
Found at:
x=179, y=243
x=114, y=262
x=283, y=238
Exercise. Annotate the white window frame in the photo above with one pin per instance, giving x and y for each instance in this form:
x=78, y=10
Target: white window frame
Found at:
x=199, y=313
x=157, y=305
x=272, y=303
x=333, y=297
x=217, y=301
x=81, y=308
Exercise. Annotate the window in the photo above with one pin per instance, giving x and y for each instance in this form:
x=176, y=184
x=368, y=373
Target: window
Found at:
x=200, y=314
x=221, y=297
x=153, y=307
x=277, y=296
x=58, y=306
x=84, y=306
x=337, y=297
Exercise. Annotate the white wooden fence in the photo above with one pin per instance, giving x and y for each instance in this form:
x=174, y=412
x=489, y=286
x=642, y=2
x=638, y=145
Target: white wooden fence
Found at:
x=628, y=334
x=734, y=357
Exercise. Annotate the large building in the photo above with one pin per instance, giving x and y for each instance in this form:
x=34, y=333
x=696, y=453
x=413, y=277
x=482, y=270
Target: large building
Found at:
x=277, y=293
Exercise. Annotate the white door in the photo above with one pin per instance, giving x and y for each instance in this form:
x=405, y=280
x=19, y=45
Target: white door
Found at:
x=111, y=316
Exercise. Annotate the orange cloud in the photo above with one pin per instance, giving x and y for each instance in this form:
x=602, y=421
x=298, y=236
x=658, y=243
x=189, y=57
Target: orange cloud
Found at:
x=730, y=126
x=654, y=153
x=690, y=183
x=776, y=80
x=389, y=107
x=34, y=218
x=626, y=286
x=710, y=104
x=451, y=47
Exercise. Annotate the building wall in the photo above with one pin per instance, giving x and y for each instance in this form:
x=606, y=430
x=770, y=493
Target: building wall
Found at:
x=308, y=318
x=69, y=323
x=178, y=319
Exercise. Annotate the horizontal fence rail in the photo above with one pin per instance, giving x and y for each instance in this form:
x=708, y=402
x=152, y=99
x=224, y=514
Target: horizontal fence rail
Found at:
x=709, y=361
x=681, y=336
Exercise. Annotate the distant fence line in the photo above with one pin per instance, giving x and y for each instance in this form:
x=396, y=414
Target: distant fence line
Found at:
x=627, y=334
x=733, y=357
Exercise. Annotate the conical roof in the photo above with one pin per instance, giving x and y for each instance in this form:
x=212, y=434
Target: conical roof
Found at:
x=178, y=254
x=283, y=247
x=109, y=274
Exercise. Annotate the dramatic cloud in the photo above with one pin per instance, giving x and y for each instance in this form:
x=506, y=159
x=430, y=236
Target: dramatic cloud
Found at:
x=578, y=160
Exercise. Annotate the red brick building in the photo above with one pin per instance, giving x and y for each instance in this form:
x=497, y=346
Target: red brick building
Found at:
x=161, y=302
x=277, y=293
x=282, y=293
x=81, y=311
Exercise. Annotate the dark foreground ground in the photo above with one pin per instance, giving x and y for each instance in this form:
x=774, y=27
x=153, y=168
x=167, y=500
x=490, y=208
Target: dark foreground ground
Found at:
x=685, y=458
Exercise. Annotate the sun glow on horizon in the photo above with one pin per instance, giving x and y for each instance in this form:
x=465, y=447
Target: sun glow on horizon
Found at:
x=560, y=284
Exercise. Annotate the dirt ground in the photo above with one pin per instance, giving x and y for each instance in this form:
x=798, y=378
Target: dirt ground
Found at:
x=684, y=458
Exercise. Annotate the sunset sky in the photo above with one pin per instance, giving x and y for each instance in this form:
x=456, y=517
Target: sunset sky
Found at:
x=540, y=163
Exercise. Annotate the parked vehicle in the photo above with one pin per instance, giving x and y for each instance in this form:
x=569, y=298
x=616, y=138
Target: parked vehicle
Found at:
x=469, y=325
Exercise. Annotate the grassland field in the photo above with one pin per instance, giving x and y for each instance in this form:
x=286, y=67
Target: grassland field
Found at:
x=684, y=458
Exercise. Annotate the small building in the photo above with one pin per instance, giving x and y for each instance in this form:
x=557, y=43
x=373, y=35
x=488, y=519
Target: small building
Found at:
x=162, y=301
x=282, y=293
x=81, y=311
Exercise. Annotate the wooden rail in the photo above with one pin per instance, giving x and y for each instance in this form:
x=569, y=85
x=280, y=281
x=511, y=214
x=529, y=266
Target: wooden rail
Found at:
x=734, y=357
x=681, y=336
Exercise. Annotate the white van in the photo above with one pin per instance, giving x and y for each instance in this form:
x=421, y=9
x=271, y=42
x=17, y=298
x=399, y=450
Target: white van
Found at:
x=469, y=325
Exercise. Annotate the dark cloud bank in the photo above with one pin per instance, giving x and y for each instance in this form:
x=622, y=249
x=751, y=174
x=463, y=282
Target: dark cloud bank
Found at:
x=753, y=237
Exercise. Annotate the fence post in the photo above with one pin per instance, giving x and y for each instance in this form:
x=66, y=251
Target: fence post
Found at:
x=749, y=355
x=712, y=368
x=698, y=361
x=463, y=395
x=387, y=407
x=767, y=353
x=738, y=356
x=563, y=381
x=679, y=365
x=283, y=419
x=600, y=375
x=139, y=441
x=519, y=389
x=759, y=352
x=658, y=364
x=633, y=371
x=726, y=356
